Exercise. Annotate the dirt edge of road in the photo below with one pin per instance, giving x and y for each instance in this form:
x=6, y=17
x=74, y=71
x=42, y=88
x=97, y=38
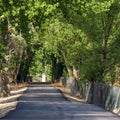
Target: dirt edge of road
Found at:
x=9, y=103
x=67, y=94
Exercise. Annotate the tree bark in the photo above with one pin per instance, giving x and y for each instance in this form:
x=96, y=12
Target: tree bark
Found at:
x=5, y=62
x=70, y=72
x=75, y=73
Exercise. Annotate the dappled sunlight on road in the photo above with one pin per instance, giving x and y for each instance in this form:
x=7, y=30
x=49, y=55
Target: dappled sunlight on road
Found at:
x=48, y=103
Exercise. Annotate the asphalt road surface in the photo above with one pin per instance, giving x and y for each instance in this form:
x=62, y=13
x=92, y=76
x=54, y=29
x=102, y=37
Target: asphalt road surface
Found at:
x=48, y=103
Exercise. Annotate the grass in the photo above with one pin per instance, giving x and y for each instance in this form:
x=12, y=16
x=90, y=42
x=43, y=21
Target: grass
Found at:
x=18, y=86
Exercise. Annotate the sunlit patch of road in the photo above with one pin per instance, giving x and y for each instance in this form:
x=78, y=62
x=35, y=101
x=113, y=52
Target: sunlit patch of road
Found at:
x=48, y=103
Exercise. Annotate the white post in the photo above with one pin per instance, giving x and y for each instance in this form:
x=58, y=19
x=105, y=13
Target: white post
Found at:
x=43, y=77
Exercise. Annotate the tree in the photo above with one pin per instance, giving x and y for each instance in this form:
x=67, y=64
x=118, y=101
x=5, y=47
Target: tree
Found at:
x=97, y=20
x=78, y=36
x=65, y=41
x=19, y=24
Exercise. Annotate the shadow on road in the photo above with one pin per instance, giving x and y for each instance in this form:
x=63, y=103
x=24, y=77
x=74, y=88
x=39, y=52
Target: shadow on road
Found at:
x=48, y=103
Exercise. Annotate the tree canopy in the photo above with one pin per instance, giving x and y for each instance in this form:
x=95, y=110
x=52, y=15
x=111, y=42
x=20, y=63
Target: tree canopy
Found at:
x=77, y=38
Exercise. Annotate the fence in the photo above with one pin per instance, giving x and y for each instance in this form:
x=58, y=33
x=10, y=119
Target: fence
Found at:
x=101, y=94
x=107, y=97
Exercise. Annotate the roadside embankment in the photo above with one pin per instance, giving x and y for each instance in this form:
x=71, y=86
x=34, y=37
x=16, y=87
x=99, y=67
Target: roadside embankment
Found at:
x=9, y=103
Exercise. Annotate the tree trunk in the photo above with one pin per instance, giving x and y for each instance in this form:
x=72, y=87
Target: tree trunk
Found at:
x=53, y=67
x=5, y=62
x=70, y=72
x=106, y=26
x=75, y=73
x=57, y=69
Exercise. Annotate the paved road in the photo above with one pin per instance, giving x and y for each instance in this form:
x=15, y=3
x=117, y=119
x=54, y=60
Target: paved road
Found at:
x=48, y=103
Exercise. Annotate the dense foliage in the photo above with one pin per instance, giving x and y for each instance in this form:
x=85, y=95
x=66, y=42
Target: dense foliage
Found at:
x=77, y=38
